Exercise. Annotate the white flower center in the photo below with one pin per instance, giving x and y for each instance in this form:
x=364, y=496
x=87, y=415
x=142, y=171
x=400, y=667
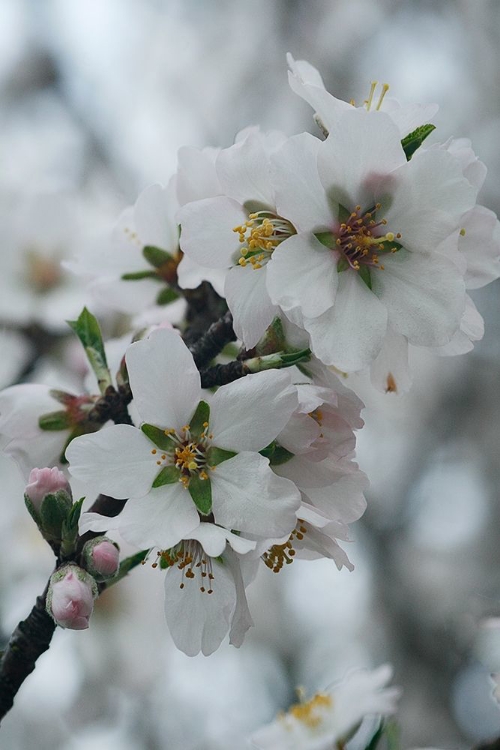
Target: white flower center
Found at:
x=360, y=241
x=188, y=453
x=259, y=236
x=196, y=566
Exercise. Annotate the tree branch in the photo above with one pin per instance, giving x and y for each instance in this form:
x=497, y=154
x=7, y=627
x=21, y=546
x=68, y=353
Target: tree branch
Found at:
x=213, y=341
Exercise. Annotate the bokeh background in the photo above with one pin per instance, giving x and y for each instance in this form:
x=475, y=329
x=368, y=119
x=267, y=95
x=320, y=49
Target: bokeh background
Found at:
x=97, y=96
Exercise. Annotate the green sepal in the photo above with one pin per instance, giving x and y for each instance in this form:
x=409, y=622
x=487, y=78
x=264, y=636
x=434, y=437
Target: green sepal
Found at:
x=88, y=331
x=163, y=563
x=54, y=421
x=414, y=140
x=155, y=256
x=276, y=454
x=342, y=265
x=199, y=419
x=168, y=475
x=344, y=214
x=201, y=492
x=365, y=275
x=54, y=511
x=166, y=296
x=216, y=456
x=327, y=239
x=374, y=742
x=273, y=340
x=158, y=437
x=139, y=275
x=69, y=530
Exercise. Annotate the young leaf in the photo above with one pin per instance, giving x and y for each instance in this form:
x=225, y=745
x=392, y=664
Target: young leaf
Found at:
x=415, y=139
x=166, y=296
x=88, y=331
x=55, y=420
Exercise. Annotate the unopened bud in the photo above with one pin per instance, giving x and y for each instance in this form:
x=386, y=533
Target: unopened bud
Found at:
x=43, y=482
x=102, y=557
x=70, y=598
x=49, y=501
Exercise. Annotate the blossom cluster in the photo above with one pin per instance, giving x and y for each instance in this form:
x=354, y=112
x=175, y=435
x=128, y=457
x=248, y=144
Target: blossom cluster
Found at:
x=331, y=255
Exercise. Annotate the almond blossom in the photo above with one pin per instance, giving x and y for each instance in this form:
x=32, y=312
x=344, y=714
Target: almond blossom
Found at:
x=333, y=715
x=364, y=258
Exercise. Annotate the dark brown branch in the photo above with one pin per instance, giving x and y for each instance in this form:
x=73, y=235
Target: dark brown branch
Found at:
x=222, y=374
x=213, y=341
x=112, y=405
x=29, y=640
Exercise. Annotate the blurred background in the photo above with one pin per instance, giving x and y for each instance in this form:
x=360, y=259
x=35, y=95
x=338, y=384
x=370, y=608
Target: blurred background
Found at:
x=97, y=96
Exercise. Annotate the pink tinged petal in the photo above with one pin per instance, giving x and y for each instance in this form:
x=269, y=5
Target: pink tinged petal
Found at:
x=164, y=379
x=361, y=148
x=248, y=299
x=247, y=496
x=246, y=415
x=243, y=171
x=471, y=329
x=196, y=175
x=424, y=296
x=431, y=181
x=481, y=247
x=389, y=371
x=299, y=433
x=154, y=217
x=300, y=196
x=350, y=334
x=207, y=230
x=213, y=539
x=303, y=273
x=242, y=619
x=116, y=461
x=160, y=519
x=190, y=275
x=199, y=621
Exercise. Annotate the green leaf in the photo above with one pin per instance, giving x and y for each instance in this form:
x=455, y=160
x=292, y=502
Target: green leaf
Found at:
x=55, y=420
x=54, y=511
x=268, y=451
x=327, y=239
x=158, y=437
x=342, y=265
x=69, y=531
x=199, y=419
x=216, y=456
x=201, y=492
x=166, y=296
x=168, y=475
x=88, y=331
x=139, y=275
x=156, y=256
x=414, y=140
x=365, y=275
x=372, y=745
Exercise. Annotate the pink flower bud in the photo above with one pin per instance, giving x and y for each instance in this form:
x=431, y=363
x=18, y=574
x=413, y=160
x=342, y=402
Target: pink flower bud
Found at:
x=105, y=558
x=43, y=482
x=70, y=599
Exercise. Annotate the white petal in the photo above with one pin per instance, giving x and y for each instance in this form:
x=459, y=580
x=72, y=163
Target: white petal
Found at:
x=360, y=149
x=246, y=415
x=303, y=273
x=243, y=171
x=299, y=433
x=248, y=299
x=154, y=216
x=164, y=379
x=213, y=539
x=196, y=175
x=160, y=519
x=21, y=406
x=471, y=329
x=300, y=196
x=191, y=275
x=481, y=247
x=305, y=81
x=424, y=296
x=247, y=496
x=349, y=335
x=242, y=619
x=207, y=230
x=389, y=371
x=199, y=621
x=116, y=461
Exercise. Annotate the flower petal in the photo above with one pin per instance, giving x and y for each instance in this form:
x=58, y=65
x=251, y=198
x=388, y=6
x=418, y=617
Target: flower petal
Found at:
x=154, y=217
x=246, y=415
x=164, y=379
x=207, y=230
x=248, y=299
x=116, y=461
x=243, y=171
x=249, y=497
